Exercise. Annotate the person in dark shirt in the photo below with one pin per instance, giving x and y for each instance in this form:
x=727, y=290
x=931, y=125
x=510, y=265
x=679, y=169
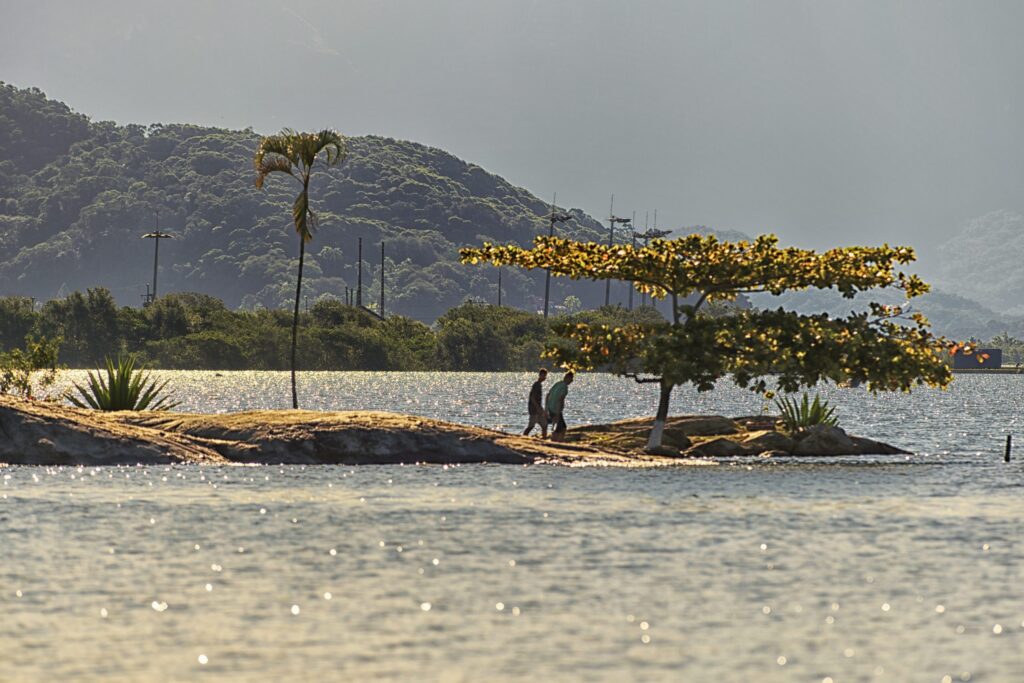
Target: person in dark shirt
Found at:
x=536, y=406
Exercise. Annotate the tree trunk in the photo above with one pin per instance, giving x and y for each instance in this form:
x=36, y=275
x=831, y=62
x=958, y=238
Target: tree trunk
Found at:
x=295, y=321
x=658, y=429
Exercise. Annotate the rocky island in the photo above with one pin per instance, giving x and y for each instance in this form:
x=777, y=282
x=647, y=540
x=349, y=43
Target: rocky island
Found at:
x=43, y=433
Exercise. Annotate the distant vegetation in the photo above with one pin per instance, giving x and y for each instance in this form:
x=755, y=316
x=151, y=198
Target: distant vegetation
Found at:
x=75, y=195
x=196, y=331
x=888, y=348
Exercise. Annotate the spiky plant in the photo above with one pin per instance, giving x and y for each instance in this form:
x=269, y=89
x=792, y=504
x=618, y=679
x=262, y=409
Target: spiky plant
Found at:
x=294, y=154
x=799, y=416
x=123, y=388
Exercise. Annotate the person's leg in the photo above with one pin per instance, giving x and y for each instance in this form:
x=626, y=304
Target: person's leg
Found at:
x=543, y=419
x=529, y=427
x=558, y=433
x=562, y=427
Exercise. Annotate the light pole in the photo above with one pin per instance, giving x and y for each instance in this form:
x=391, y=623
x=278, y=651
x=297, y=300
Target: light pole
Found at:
x=652, y=234
x=359, y=277
x=613, y=220
x=632, y=232
x=553, y=218
x=156, y=236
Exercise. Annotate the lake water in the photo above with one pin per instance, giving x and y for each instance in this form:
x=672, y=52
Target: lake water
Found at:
x=887, y=569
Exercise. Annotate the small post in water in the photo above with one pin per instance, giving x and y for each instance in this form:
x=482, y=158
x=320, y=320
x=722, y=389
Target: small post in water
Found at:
x=1009, y=442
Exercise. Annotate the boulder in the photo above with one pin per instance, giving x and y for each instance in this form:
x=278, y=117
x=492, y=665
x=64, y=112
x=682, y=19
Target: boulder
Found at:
x=872, y=447
x=759, y=442
x=701, y=425
x=825, y=440
x=718, y=448
x=756, y=423
x=674, y=439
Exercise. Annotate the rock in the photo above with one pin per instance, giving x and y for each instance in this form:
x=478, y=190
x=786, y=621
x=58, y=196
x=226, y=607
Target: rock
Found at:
x=872, y=447
x=667, y=451
x=718, y=448
x=768, y=441
x=40, y=433
x=674, y=439
x=824, y=440
x=701, y=425
x=756, y=423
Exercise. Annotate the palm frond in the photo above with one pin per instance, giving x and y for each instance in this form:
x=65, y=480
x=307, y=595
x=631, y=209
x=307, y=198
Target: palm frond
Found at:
x=300, y=214
x=272, y=163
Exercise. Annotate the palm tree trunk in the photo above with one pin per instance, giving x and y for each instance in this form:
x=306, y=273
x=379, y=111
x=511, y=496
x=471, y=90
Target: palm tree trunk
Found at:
x=295, y=320
x=654, y=440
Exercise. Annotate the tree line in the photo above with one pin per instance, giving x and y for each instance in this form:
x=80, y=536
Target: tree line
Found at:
x=199, y=332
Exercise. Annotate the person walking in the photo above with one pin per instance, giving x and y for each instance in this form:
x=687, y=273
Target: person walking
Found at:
x=555, y=404
x=535, y=406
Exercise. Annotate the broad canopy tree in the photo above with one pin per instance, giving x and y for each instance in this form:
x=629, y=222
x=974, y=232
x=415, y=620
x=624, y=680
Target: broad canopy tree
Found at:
x=294, y=154
x=887, y=348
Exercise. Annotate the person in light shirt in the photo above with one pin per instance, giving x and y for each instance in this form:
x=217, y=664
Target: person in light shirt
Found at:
x=555, y=404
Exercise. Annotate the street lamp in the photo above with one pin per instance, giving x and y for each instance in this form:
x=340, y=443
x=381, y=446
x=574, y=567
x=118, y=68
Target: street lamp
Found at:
x=553, y=217
x=613, y=220
x=651, y=234
x=156, y=236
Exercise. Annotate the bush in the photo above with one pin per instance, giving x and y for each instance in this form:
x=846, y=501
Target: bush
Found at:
x=36, y=363
x=798, y=417
x=123, y=388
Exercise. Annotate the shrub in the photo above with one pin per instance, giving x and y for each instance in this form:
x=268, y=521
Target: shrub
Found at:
x=797, y=417
x=19, y=368
x=124, y=388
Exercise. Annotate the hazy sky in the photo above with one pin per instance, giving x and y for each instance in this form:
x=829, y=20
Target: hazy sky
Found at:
x=826, y=122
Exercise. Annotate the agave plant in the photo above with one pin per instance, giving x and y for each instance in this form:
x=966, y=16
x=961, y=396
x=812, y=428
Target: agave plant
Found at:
x=797, y=417
x=123, y=388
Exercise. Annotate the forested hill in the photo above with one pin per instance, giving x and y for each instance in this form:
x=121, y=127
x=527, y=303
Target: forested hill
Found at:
x=75, y=196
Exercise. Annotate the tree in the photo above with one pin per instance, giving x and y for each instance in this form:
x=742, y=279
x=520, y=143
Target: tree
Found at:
x=1013, y=348
x=295, y=154
x=884, y=348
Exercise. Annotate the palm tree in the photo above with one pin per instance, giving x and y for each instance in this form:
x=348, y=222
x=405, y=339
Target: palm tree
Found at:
x=295, y=153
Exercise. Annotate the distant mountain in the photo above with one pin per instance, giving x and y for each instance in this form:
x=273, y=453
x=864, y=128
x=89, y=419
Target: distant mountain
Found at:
x=75, y=196
x=984, y=262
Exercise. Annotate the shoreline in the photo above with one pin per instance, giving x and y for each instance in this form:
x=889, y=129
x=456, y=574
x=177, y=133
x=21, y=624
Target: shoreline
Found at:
x=43, y=433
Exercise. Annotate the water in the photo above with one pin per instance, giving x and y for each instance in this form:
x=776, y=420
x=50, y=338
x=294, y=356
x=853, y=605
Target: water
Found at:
x=859, y=570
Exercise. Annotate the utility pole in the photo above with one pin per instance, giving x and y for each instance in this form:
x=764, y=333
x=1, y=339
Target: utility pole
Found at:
x=611, y=239
x=653, y=234
x=647, y=216
x=553, y=218
x=499, y=286
x=612, y=220
x=156, y=236
x=632, y=232
x=359, y=277
x=382, y=279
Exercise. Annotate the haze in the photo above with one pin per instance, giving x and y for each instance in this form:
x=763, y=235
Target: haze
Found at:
x=826, y=122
